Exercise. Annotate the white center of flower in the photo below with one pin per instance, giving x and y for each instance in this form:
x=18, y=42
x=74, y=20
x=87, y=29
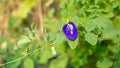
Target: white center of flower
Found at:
x=70, y=27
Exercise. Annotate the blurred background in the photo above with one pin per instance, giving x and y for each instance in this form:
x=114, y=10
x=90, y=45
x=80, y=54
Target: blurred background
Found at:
x=15, y=15
x=47, y=15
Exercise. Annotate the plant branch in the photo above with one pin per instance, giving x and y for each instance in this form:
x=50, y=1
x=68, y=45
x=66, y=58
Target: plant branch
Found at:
x=41, y=25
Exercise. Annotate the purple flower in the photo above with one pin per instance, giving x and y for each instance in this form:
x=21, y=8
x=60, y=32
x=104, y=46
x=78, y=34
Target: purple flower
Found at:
x=70, y=30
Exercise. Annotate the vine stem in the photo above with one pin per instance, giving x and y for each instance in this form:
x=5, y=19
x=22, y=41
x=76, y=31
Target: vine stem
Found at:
x=26, y=55
x=20, y=58
x=13, y=61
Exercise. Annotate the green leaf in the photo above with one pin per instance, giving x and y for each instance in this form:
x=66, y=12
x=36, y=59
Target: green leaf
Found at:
x=10, y=46
x=103, y=22
x=51, y=13
x=45, y=37
x=109, y=33
x=109, y=15
x=47, y=54
x=3, y=39
x=83, y=61
x=104, y=63
x=59, y=63
x=73, y=44
x=3, y=51
x=28, y=63
x=62, y=4
x=75, y=19
x=101, y=51
x=91, y=38
x=117, y=55
x=75, y=61
x=59, y=26
x=51, y=36
x=97, y=30
x=116, y=39
x=24, y=40
x=29, y=33
x=32, y=25
x=12, y=57
x=114, y=49
x=60, y=49
x=116, y=64
x=90, y=25
x=60, y=38
x=108, y=30
x=13, y=65
x=115, y=4
x=83, y=21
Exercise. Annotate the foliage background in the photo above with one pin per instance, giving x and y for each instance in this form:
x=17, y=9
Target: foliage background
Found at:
x=27, y=45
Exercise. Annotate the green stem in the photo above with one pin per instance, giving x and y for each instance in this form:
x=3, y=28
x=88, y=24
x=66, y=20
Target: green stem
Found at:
x=19, y=58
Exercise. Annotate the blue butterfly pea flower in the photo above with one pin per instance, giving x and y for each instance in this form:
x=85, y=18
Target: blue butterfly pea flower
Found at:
x=70, y=30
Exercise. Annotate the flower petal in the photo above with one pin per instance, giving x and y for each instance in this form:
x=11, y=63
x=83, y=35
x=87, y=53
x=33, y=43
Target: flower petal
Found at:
x=70, y=30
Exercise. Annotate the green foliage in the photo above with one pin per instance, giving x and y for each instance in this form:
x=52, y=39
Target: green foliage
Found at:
x=97, y=45
x=73, y=44
x=117, y=64
x=26, y=6
x=46, y=55
x=28, y=63
x=83, y=61
x=104, y=63
x=62, y=63
x=91, y=38
x=23, y=40
x=10, y=47
x=60, y=38
x=3, y=39
x=51, y=13
x=90, y=26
